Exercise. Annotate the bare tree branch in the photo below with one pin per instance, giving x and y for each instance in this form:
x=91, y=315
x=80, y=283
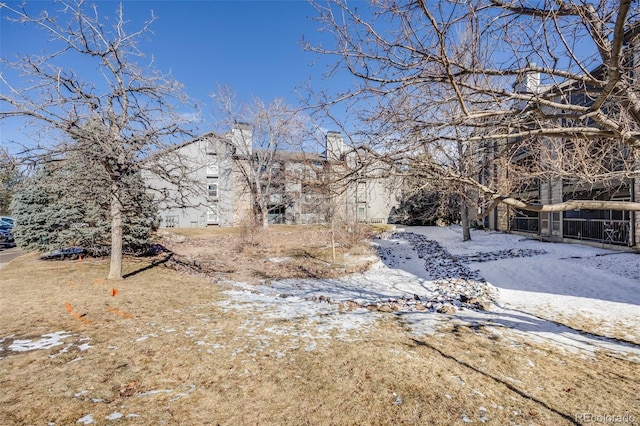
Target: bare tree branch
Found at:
x=129, y=111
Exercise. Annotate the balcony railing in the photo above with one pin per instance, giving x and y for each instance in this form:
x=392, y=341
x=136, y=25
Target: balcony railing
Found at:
x=601, y=230
x=525, y=224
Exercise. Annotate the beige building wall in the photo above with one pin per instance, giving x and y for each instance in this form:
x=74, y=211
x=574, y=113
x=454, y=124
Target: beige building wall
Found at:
x=215, y=188
x=221, y=195
x=174, y=211
x=242, y=210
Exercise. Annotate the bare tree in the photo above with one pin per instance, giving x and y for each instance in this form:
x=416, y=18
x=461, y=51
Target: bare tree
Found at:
x=574, y=65
x=9, y=177
x=126, y=112
x=261, y=136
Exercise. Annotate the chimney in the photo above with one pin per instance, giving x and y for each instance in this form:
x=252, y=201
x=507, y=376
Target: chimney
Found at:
x=241, y=135
x=528, y=82
x=335, y=146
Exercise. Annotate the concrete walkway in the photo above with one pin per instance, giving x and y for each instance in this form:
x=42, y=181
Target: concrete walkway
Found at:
x=8, y=254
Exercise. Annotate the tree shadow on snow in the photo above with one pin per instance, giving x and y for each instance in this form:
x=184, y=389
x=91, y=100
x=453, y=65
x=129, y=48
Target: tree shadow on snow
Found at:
x=552, y=331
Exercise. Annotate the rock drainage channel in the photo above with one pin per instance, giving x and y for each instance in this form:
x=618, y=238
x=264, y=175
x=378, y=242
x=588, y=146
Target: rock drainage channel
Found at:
x=454, y=287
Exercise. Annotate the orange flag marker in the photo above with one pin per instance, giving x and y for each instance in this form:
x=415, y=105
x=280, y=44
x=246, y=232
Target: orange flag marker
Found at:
x=81, y=318
x=118, y=312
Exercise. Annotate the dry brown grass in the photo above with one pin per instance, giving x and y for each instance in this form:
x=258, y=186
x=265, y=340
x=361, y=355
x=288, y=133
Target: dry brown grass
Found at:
x=251, y=254
x=182, y=358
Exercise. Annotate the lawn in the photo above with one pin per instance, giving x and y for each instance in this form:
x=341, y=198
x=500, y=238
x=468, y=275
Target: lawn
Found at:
x=167, y=346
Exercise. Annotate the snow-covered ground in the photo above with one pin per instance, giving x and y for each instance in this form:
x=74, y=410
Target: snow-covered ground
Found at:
x=429, y=277
x=562, y=280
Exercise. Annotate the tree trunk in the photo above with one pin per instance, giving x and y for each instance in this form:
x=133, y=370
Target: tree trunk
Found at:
x=115, y=268
x=333, y=240
x=265, y=218
x=464, y=216
x=463, y=157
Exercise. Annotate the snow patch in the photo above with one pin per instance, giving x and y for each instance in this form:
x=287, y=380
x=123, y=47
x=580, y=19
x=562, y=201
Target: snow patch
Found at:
x=114, y=416
x=86, y=420
x=47, y=341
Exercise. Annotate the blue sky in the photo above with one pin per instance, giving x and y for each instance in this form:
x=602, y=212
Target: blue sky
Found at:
x=250, y=46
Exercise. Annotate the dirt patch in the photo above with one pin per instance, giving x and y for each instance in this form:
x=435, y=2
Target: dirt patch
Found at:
x=255, y=254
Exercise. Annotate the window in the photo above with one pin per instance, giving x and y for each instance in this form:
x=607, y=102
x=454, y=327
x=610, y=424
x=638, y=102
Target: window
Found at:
x=361, y=214
x=555, y=219
x=212, y=190
x=361, y=192
x=310, y=174
x=212, y=214
x=275, y=198
x=212, y=165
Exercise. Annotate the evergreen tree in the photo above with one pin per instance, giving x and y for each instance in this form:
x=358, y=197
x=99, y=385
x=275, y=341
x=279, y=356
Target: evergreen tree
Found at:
x=67, y=204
